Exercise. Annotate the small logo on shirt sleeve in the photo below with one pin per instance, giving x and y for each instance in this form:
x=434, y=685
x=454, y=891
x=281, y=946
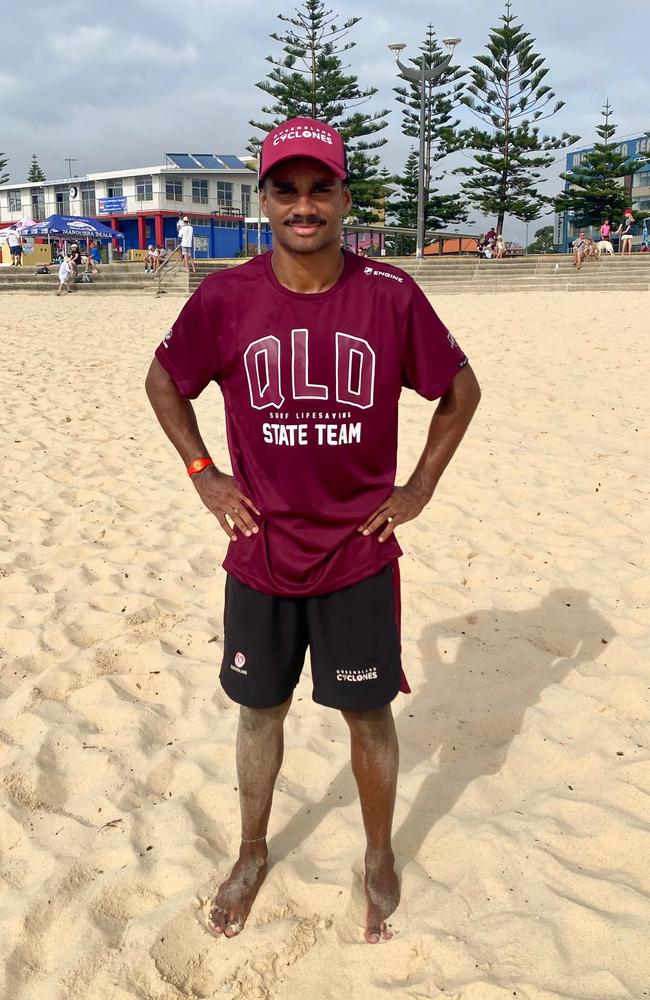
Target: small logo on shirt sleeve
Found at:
x=168, y=336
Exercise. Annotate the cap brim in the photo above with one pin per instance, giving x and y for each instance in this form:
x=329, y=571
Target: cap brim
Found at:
x=334, y=167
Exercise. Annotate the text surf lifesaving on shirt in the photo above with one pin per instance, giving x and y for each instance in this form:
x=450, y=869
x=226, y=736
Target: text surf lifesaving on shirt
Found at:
x=311, y=385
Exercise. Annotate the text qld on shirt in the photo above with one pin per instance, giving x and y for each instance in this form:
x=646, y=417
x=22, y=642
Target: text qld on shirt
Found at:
x=354, y=364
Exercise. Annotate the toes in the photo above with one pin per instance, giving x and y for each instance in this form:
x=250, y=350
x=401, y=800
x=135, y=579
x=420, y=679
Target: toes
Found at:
x=378, y=932
x=217, y=920
x=233, y=928
x=373, y=935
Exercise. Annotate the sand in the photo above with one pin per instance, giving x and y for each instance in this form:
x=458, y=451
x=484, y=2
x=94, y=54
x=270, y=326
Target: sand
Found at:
x=522, y=814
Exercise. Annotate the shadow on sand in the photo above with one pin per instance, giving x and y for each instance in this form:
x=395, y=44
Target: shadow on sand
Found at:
x=484, y=670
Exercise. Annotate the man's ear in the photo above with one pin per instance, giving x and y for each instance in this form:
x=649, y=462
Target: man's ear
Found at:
x=347, y=200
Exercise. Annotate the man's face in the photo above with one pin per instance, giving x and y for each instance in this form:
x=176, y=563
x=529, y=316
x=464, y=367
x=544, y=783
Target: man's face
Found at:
x=304, y=202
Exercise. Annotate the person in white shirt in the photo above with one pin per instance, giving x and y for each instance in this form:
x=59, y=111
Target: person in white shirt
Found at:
x=65, y=275
x=15, y=247
x=186, y=236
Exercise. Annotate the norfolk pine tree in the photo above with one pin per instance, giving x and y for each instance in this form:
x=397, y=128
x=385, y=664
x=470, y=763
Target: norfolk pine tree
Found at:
x=3, y=177
x=594, y=193
x=310, y=80
x=35, y=171
x=508, y=95
x=440, y=138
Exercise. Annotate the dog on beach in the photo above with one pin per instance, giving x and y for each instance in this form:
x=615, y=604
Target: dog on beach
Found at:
x=604, y=246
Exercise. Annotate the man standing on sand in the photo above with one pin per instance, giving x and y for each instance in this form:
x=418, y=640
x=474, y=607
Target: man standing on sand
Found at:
x=311, y=346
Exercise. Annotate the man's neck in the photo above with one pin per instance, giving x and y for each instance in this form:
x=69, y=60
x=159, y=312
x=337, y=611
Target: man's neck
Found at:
x=308, y=273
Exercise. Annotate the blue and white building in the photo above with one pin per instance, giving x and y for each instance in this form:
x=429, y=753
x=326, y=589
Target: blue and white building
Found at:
x=216, y=191
x=637, y=186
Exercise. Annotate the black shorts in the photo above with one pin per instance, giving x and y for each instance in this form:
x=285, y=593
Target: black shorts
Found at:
x=352, y=635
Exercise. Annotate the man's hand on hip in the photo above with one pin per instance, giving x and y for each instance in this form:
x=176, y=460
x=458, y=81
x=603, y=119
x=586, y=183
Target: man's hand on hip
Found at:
x=404, y=504
x=225, y=500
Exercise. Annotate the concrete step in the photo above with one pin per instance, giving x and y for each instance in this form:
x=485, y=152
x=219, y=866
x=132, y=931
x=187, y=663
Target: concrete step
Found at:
x=595, y=280
x=450, y=289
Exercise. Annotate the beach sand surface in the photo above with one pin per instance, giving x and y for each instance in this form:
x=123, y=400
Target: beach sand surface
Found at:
x=521, y=825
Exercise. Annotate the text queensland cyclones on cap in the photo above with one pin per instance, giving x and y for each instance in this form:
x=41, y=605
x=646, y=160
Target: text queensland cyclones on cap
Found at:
x=302, y=132
x=304, y=137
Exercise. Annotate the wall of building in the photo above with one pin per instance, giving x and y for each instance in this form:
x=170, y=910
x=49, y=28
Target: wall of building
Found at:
x=214, y=210
x=637, y=185
x=212, y=196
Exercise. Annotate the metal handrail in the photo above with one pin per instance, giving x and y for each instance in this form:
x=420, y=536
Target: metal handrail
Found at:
x=165, y=264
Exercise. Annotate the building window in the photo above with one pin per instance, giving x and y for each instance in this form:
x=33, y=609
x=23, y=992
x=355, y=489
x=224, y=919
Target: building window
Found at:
x=38, y=203
x=88, y=206
x=224, y=194
x=246, y=199
x=143, y=188
x=200, y=191
x=15, y=203
x=114, y=189
x=174, y=189
x=641, y=179
x=62, y=198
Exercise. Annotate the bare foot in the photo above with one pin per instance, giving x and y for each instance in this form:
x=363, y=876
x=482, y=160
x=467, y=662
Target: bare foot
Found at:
x=382, y=890
x=235, y=897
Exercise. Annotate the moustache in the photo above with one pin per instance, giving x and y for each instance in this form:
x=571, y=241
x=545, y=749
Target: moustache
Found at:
x=305, y=220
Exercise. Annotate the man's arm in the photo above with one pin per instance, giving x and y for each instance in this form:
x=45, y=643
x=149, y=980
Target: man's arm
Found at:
x=448, y=425
x=218, y=491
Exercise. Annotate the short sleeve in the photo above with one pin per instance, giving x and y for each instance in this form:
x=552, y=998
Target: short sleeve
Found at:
x=189, y=351
x=431, y=356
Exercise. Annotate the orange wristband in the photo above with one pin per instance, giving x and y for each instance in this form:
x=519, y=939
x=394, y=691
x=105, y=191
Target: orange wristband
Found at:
x=198, y=465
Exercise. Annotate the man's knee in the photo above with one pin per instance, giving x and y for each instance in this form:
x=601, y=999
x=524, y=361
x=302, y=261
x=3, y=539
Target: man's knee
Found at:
x=373, y=726
x=254, y=720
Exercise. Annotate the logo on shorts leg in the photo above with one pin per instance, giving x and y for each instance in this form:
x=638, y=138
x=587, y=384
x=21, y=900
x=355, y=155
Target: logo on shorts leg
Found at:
x=239, y=665
x=344, y=674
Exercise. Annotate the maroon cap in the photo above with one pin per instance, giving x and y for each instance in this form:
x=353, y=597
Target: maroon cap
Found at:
x=304, y=137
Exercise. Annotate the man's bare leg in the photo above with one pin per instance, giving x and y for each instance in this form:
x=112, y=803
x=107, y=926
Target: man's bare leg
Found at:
x=260, y=747
x=375, y=760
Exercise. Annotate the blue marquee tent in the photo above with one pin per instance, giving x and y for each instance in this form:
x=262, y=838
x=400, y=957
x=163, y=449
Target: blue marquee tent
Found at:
x=71, y=226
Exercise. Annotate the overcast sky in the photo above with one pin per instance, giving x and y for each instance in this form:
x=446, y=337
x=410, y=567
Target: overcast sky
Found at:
x=117, y=85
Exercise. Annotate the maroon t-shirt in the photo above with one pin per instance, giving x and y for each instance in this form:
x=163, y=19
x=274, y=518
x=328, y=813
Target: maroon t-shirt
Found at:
x=311, y=385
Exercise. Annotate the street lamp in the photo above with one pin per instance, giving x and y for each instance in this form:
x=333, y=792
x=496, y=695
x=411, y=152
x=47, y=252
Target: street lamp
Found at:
x=257, y=145
x=423, y=75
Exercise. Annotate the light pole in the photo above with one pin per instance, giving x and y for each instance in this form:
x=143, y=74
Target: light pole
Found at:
x=424, y=76
x=258, y=156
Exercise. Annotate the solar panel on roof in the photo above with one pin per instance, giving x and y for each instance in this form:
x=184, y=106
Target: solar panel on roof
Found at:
x=208, y=160
x=182, y=160
x=233, y=162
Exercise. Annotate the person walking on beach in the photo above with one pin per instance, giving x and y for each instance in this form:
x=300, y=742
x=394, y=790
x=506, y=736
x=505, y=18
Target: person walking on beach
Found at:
x=65, y=276
x=186, y=236
x=311, y=346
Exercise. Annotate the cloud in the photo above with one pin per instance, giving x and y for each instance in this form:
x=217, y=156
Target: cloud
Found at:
x=97, y=43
